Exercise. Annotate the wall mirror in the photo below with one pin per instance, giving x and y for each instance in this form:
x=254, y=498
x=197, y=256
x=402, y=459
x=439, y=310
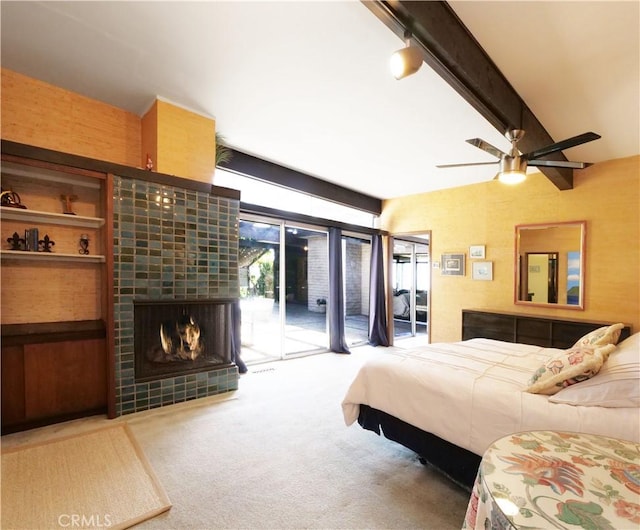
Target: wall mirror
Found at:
x=549, y=264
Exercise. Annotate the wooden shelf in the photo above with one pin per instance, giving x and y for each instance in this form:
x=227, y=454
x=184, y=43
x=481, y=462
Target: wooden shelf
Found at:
x=35, y=216
x=39, y=173
x=50, y=256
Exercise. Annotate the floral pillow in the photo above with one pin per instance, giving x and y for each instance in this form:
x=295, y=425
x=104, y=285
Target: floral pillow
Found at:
x=616, y=385
x=601, y=336
x=568, y=367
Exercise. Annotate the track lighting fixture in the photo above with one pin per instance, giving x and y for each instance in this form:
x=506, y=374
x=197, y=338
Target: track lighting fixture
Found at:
x=406, y=61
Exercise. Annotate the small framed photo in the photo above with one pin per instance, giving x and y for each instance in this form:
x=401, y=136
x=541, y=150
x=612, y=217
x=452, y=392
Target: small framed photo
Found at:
x=482, y=270
x=476, y=251
x=452, y=265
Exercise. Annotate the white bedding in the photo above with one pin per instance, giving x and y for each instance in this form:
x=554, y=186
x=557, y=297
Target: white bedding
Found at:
x=470, y=393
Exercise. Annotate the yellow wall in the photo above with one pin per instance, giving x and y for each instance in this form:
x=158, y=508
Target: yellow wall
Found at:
x=40, y=114
x=179, y=142
x=606, y=195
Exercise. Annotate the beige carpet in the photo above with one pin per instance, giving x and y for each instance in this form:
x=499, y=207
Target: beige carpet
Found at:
x=276, y=454
x=95, y=479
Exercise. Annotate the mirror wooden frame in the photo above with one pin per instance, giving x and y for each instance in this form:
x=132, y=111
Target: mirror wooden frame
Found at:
x=563, y=244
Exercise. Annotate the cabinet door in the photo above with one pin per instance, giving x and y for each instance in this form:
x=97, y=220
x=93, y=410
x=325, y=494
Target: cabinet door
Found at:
x=488, y=325
x=12, y=385
x=64, y=378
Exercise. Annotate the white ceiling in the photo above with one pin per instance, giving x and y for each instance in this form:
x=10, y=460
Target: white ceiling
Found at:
x=306, y=84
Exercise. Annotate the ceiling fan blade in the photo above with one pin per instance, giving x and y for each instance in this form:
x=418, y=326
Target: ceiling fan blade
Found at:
x=467, y=164
x=481, y=144
x=559, y=163
x=561, y=146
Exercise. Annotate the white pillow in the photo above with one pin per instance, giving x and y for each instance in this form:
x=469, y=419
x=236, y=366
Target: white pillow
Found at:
x=616, y=385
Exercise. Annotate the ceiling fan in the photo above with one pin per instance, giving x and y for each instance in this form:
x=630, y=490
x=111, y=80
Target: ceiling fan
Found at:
x=513, y=166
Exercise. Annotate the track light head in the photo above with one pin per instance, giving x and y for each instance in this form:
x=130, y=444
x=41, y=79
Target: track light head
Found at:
x=406, y=61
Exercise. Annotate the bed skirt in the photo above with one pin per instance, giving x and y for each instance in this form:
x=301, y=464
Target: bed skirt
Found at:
x=457, y=463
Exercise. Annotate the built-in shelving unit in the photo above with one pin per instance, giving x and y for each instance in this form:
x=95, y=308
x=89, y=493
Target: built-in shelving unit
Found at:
x=55, y=305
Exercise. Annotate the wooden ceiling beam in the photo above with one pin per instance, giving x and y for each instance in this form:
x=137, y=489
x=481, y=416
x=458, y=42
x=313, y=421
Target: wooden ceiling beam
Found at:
x=451, y=50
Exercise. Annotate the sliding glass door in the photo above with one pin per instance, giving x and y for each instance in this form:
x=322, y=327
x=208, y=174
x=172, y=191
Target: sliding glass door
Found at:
x=284, y=289
x=411, y=285
x=259, y=255
x=305, y=277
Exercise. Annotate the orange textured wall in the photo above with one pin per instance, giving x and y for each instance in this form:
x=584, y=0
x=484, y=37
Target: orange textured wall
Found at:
x=150, y=136
x=185, y=143
x=40, y=114
x=605, y=195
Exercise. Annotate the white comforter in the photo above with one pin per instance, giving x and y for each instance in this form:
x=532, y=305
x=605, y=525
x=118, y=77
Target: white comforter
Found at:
x=471, y=393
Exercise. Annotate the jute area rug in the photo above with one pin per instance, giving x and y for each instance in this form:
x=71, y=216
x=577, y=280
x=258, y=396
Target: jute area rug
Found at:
x=99, y=478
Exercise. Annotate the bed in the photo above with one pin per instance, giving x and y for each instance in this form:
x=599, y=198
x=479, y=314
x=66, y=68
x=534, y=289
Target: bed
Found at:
x=448, y=402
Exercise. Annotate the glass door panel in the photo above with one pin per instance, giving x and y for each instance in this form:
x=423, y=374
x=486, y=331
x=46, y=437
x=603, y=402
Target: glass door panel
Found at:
x=306, y=281
x=402, y=284
x=259, y=255
x=412, y=279
x=423, y=286
x=356, y=254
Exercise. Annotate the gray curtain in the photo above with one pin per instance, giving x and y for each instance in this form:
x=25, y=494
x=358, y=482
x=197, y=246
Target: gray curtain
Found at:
x=378, y=335
x=236, y=324
x=337, y=341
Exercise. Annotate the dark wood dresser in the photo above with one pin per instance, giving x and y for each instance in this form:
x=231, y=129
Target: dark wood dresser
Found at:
x=548, y=332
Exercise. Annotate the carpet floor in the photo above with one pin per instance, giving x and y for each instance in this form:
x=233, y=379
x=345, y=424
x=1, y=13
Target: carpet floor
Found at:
x=277, y=454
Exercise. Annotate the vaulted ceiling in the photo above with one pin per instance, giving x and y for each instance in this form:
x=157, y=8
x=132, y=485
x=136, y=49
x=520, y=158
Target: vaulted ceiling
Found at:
x=306, y=84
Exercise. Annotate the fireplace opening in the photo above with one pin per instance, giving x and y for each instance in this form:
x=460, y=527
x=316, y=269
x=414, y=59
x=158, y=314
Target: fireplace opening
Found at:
x=181, y=337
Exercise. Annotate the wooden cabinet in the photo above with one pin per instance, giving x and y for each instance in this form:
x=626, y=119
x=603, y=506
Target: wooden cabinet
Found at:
x=52, y=372
x=548, y=332
x=55, y=305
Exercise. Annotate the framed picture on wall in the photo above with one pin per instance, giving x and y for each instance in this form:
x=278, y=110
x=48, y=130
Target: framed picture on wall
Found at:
x=476, y=251
x=452, y=264
x=482, y=270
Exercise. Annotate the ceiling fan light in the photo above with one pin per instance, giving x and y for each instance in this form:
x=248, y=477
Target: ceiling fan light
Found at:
x=405, y=62
x=513, y=169
x=512, y=177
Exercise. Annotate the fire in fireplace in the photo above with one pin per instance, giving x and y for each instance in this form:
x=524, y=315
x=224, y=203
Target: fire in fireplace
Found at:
x=181, y=337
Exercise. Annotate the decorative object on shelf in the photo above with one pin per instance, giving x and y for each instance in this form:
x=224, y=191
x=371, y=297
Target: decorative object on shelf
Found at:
x=46, y=243
x=84, y=244
x=149, y=165
x=476, y=251
x=482, y=270
x=452, y=265
x=11, y=199
x=67, y=200
x=31, y=239
x=16, y=242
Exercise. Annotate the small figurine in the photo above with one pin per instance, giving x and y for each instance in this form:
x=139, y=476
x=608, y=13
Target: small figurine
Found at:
x=149, y=166
x=16, y=242
x=84, y=245
x=46, y=243
x=68, y=199
x=11, y=199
